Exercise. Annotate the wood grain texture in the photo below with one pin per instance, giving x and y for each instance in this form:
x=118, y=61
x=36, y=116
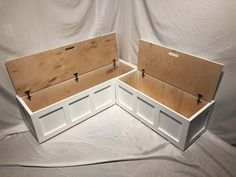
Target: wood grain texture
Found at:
x=172, y=97
x=48, y=68
x=55, y=93
x=186, y=72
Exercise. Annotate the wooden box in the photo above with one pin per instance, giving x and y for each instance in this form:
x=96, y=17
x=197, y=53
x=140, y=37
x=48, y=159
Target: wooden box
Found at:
x=62, y=87
x=171, y=92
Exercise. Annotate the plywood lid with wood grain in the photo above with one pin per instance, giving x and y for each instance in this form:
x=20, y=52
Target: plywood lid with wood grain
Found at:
x=189, y=73
x=47, y=68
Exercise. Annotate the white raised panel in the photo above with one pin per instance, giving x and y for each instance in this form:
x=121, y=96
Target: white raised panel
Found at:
x=26, y=117
x=197, y=125
x=52, y=121
x=103, y=97
x=169, y=126
x=145, y=110
x=199, y=122
x=79, y=108
x=125, y=97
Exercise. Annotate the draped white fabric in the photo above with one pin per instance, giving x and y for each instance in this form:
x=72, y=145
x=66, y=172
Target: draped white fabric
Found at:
x=205, y=28
x=114, y=144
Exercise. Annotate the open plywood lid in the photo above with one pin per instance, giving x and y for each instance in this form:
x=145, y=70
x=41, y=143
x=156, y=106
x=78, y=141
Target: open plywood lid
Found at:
x=44, y=69
x=186, y=72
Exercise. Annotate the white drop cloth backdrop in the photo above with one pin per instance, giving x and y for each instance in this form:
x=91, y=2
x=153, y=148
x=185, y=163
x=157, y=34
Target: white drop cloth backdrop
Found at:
x=114, y=144
x=204, y=28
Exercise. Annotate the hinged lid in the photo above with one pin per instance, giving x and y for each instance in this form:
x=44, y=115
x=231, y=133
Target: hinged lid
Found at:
x=38, y=71
x=191, y=74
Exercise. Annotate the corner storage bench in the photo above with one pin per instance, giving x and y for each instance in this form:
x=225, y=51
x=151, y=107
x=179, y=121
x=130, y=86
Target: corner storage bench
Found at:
x=62, y=87
x=171, y=92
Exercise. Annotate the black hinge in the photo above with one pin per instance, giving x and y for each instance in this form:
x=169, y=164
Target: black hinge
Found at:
x=76, y=77
x=28, y=94
x=143, y=72
x=114, y=63
x=199, y=96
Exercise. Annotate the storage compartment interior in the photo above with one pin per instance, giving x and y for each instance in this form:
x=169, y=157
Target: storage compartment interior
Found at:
x=181, y=82
x=194, y=75
x=45, y=78
x=170, y=96
x=65, y=89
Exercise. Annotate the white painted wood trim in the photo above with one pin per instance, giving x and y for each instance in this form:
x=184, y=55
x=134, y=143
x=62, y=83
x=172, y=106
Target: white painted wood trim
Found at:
x=126, y=85
x=201, y=110
x=24, y=105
